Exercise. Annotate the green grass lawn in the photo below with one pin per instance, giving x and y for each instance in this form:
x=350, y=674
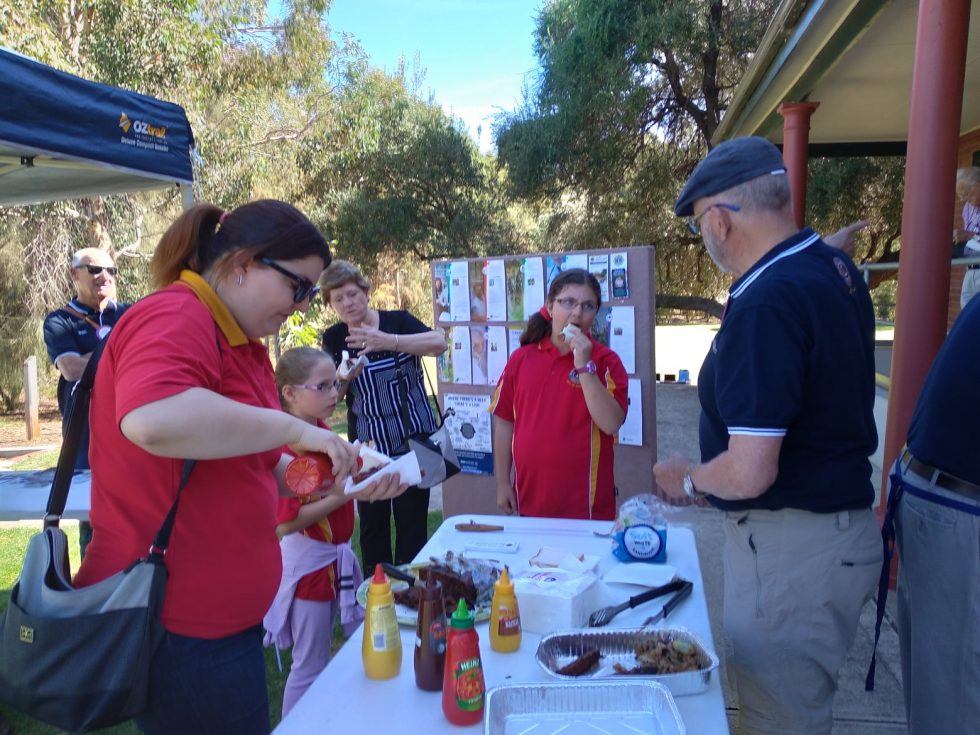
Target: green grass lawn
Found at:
x=13, y=543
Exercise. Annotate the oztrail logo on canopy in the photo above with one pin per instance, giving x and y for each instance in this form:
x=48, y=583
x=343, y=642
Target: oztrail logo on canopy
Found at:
x=139, y=127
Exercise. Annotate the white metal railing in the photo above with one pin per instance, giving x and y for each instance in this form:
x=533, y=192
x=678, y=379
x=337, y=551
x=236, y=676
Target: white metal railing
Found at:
x=866, y=268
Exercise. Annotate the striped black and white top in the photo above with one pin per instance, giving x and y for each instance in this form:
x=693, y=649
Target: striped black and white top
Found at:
x=389, y=380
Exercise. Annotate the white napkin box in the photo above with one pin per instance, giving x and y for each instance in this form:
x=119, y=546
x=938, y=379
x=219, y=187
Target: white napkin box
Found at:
x=554, y=599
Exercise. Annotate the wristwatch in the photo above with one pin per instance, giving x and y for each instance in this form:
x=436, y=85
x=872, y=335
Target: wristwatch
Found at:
x=589, y=367
x=689, y=489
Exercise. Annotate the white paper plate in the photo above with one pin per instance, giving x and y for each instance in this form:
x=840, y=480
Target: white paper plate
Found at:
x=407, y=466
x=640, y=574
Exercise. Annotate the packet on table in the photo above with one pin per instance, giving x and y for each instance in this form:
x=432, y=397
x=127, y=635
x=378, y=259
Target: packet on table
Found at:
x=640, y=532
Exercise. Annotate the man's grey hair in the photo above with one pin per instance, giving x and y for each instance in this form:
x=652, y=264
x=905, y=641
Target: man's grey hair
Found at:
x=767, y=193
x=968, y=177
x=85, y=255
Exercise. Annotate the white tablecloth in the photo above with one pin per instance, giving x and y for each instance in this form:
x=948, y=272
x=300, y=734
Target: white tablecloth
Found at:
x=343, y=699
x=24, y=495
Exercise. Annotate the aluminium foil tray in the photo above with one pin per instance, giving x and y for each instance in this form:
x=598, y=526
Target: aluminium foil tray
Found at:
x=617, y=646
x=582, y=708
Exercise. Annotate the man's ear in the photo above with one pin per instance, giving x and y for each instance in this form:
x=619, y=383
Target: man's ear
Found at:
x=722, y=223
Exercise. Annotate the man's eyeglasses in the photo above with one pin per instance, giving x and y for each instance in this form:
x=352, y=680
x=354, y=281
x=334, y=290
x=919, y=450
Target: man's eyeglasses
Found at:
x=305, y=289
x=319, y=387
x=97, y=269
x=588, y=307
x=695, y=227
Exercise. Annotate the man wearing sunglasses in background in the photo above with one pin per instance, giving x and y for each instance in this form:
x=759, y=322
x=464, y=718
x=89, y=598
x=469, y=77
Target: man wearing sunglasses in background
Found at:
x=72, y=332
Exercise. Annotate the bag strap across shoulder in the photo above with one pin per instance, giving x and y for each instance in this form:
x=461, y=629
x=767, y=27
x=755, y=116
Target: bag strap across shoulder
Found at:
x=74, y=425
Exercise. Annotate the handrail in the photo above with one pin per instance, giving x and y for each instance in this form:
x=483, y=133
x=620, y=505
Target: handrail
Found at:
x=868, y=267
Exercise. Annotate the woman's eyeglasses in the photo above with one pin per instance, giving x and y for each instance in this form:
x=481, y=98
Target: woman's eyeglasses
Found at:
x=588, y=307
x=305, y=288
x=318, y=387
x=97, y=269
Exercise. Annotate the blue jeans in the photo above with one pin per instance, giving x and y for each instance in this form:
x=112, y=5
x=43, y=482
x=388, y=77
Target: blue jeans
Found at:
x=199, y=685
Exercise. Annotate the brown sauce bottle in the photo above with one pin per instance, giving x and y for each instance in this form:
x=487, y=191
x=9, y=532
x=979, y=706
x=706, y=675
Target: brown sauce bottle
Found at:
x=430, y=638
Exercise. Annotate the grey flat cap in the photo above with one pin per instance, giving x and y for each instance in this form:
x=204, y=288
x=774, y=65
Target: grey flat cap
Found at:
x=732, y=163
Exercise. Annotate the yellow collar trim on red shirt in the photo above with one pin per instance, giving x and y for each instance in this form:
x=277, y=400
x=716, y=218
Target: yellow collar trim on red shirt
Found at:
x=219, y=312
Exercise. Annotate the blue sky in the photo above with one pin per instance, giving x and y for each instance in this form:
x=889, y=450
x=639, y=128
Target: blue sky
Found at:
x=476, y=54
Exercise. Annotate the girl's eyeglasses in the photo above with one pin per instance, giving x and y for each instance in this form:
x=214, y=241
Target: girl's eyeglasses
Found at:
x=318, y=387
x=305, y=289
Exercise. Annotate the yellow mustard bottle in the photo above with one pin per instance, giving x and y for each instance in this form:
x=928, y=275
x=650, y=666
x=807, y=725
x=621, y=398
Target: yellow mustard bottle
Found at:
x=381, y=646
x=505, y=617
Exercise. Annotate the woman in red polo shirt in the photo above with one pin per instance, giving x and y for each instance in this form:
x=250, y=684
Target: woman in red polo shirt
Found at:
x=186, y=377
x=557, y=407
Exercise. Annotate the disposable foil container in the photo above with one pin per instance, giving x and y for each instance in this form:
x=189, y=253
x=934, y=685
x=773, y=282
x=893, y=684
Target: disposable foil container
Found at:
x=582, y=708
x=619, y=646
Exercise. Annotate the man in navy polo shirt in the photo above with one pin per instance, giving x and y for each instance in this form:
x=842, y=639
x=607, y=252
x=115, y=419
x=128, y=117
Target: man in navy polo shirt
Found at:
x=935, y=491
x=72, y=332
x=787, y=392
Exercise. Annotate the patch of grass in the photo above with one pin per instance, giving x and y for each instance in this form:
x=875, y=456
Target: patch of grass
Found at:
x=13, y=543
x=36, y=461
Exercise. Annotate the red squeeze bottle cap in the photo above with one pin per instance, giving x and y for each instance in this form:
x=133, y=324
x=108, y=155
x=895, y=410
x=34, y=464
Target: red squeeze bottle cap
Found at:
x=379, y=575
x=308, y=473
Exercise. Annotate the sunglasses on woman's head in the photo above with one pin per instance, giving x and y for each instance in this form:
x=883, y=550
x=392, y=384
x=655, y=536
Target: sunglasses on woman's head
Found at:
x=305, y=288
x=97, y=269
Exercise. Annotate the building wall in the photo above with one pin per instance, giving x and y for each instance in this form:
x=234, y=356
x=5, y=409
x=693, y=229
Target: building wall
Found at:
x=969, y=155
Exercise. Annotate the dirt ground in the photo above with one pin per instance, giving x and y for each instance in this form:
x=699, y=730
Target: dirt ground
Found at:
x=13, y=430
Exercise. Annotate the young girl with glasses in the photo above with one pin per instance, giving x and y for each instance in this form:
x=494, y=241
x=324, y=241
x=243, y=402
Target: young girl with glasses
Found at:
x=320, y=570
x=557, y=408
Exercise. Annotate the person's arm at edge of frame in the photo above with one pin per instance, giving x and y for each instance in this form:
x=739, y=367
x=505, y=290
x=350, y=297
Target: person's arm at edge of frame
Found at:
x=503, y=459
x=744, y=471
x=201, y=424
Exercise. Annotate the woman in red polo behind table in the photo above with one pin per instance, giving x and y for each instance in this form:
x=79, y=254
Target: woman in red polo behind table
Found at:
x=557, y=407
x=186, y=377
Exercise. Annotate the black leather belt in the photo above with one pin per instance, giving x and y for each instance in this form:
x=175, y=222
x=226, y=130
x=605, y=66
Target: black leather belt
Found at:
x=939, y=478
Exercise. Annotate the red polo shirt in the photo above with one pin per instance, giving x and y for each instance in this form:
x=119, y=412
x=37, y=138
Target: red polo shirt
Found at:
x=563, y=461
x=224, y=560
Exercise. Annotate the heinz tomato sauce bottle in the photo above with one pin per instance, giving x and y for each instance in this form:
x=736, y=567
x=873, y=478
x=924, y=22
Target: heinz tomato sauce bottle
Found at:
x=463, y=687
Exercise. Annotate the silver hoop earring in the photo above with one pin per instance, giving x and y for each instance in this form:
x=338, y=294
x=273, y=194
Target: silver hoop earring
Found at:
x=239, y=279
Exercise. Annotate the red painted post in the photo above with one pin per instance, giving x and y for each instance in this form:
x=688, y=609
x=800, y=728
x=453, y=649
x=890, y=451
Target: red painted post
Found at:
x=796, y=151
x=927, y=217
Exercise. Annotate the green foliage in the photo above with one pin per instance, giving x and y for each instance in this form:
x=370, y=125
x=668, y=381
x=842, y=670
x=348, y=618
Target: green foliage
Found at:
x=627, y=98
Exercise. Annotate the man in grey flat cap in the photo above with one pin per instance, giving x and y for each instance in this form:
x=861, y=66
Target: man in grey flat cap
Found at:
x=787, y=392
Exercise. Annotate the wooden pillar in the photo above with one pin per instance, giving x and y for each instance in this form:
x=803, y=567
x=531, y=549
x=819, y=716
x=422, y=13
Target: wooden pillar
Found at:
x=927, y=217
x=32, y=399
x=796, y=151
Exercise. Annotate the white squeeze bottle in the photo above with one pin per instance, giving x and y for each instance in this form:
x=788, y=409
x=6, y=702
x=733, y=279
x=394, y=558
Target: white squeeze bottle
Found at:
x=381, y=647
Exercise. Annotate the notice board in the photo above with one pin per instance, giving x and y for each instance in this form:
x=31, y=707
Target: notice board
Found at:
x=482, y=305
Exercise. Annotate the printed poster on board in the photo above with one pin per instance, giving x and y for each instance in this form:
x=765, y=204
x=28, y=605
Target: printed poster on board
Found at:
x=533, y=286
x=459, y=291
x=514, y=272
x=599, y=267
x=440, y=291
x=478, y=350
x=478, y=291
x=496, y=291
x=468, y=422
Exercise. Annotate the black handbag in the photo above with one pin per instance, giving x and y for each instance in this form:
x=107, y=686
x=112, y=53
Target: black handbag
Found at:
x=434, y=451
x=79, y=659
